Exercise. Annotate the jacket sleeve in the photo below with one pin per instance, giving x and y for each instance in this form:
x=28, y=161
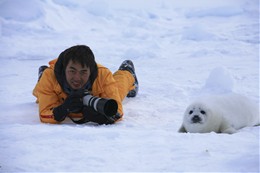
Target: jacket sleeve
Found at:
x=47, y=96
x=105, y=86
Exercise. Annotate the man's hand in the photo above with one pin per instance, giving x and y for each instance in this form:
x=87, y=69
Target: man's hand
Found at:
x=72, y=104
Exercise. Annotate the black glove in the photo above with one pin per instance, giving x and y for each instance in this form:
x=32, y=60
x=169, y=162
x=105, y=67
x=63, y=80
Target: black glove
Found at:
x=72, y=104
x=91, y=115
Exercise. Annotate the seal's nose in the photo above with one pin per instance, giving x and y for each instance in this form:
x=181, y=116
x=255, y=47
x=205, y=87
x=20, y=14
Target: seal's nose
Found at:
x=196, y=119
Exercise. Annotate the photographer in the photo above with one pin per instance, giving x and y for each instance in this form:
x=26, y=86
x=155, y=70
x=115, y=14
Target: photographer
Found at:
x=75, y=76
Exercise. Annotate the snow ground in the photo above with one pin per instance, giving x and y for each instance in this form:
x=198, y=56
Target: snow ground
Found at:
x=174, y=45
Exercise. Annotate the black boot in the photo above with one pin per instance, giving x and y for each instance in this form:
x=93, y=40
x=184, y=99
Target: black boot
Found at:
x=41, y=69
x=129, y=66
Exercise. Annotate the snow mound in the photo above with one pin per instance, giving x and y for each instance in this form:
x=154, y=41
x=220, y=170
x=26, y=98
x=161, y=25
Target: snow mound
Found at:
x=219, y=81
x=23, y=11
x=197, y=33
x=224, y=11
x=98, y=8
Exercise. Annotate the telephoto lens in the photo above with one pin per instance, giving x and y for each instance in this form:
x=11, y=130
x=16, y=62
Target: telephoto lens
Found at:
x=104, y=106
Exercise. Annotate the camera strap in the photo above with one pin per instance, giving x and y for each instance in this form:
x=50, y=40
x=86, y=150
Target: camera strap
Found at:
x=80, y=121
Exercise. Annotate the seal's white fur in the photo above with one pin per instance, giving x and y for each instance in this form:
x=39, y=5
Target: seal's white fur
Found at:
x=220, y=113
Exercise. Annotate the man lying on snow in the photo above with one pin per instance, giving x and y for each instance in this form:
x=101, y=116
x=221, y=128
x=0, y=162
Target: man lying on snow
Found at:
x=75, y=86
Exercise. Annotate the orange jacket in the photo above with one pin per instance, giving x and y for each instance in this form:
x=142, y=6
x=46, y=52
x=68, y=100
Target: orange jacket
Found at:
x=50, y=94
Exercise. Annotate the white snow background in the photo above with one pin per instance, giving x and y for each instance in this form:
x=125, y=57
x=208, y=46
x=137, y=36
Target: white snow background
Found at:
x=181, y=50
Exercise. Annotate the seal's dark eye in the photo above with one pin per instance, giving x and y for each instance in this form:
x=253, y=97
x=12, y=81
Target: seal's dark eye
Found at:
x=190, y=112
x=202, y=112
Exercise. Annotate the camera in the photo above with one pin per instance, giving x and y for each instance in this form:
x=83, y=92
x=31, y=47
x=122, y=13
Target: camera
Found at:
x=104, y=106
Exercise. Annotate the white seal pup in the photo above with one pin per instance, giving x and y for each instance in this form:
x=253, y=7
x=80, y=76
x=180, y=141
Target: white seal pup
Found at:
x=224, y=113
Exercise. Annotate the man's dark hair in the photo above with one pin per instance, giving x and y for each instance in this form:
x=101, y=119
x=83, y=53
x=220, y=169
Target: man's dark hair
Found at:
x=81, y=54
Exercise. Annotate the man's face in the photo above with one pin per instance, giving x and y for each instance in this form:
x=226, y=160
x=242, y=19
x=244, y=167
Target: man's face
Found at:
x=76, y=75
